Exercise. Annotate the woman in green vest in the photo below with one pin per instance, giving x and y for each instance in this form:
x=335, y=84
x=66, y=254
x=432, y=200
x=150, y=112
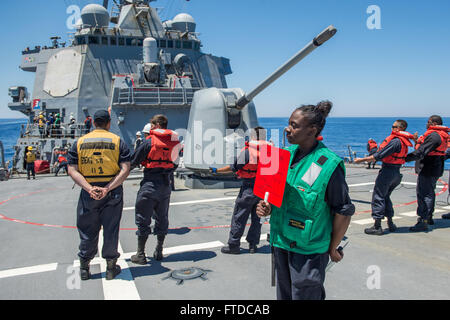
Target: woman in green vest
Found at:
x=316, y=211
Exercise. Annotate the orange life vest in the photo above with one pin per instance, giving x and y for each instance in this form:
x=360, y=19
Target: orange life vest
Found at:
x=399, y=157
x=249, y=170
x=164, y=150
x=372, y=144
x=445, y=141
x=62, y=159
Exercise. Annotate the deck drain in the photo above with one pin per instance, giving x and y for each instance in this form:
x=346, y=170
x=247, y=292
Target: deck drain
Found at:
x=187, y=274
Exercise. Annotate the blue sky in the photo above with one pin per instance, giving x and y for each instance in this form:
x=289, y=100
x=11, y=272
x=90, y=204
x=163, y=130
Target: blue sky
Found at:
x=400, y=70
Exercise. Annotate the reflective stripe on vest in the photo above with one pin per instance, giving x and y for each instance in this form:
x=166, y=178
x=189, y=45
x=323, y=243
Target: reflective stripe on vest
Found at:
x=98, y=156
x=304, y=222
x=165, y=148
x=399, y=157
x=250, y=169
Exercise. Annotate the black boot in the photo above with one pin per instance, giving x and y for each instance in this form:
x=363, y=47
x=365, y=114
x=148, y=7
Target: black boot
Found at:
x=421, y=225
x=446, y=216
x=84, y=269
x=392, y=227
x=112, y=269
x=430, y=220
x=139, y=257
x=158, y=255
x=231, y=250
x=375, y=229
x=252, y=248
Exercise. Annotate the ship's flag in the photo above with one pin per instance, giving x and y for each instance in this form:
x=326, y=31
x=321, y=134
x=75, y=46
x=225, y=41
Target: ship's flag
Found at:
x=36, y=104
x=273, y=166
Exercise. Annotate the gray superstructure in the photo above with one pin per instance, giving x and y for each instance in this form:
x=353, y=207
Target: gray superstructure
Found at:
x=107, y=66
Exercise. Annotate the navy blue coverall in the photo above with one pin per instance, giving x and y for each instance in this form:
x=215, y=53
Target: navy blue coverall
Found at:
x=429, y=169
x=153, y=197
x=388, y=179
x=94, y=214
x=244, y=207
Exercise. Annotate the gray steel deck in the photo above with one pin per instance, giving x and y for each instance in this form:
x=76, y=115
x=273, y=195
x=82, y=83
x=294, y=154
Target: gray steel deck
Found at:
x=38, y=249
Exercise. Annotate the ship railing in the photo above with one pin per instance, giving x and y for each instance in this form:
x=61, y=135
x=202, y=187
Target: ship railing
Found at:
x=155, y=96
x=66, y=131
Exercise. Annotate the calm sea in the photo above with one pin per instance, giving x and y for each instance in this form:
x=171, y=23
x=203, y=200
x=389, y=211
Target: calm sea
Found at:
x=339, y=133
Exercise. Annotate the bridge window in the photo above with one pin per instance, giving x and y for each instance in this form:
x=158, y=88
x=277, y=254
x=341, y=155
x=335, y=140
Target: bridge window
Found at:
x=105, y=41
x=140, y=42
x=187, y=45
x=197, y=45
x=121, y=41
x=169, y=43
x=131, y=42
x=113, y=41
x=80, y=40
x=178, y=44
x=162, y=43
x=93, y=40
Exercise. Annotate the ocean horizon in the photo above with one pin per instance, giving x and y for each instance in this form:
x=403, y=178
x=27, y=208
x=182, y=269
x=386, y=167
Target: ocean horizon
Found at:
x=339, y=133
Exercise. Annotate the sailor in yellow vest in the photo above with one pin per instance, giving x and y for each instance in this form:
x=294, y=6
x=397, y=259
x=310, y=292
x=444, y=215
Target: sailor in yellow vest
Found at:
x=41, y=125
x=30, y=157
x=316, y=211
x=99, y=162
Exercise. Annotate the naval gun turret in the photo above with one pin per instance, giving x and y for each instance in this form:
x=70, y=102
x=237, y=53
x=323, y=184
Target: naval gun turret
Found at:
x=221, y=119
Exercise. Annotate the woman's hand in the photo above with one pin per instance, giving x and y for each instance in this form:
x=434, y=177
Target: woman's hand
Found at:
x=263, y=209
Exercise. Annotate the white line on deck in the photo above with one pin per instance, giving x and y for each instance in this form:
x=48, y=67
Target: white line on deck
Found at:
x=193, y=202
x=369, y=220
x=262, y=237
x=370, y=183
x=171, y=250
x=122, y=287
x=361, y=184
x=28, y=270
x=414, y=213
x=184, y=248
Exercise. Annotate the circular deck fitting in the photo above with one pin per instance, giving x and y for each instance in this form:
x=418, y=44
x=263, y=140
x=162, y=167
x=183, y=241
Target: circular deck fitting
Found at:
x=187, y=274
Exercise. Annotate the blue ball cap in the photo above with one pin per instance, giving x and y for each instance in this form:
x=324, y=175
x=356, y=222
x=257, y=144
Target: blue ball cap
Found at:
x=102, y=116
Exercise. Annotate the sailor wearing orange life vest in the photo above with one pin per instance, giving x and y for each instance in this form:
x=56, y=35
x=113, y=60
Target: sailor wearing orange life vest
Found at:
x=372, y=147
x=447, y=156
x=60, y=164
x=245, y=167
x=430, y=156
x=392, y=153
x=158, y=154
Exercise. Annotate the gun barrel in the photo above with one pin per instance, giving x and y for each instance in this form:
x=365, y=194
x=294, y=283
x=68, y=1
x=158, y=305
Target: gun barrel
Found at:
x=324, y=36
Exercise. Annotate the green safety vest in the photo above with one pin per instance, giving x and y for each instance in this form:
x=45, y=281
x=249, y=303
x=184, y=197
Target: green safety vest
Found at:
x=304, y=222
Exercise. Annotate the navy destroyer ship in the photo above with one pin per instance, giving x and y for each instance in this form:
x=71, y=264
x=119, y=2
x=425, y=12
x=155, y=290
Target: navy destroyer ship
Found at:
x=126, y=61
x=116, y=68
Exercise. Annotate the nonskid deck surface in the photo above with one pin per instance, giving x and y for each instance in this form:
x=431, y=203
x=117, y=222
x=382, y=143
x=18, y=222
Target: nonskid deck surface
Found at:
x=40, y=243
